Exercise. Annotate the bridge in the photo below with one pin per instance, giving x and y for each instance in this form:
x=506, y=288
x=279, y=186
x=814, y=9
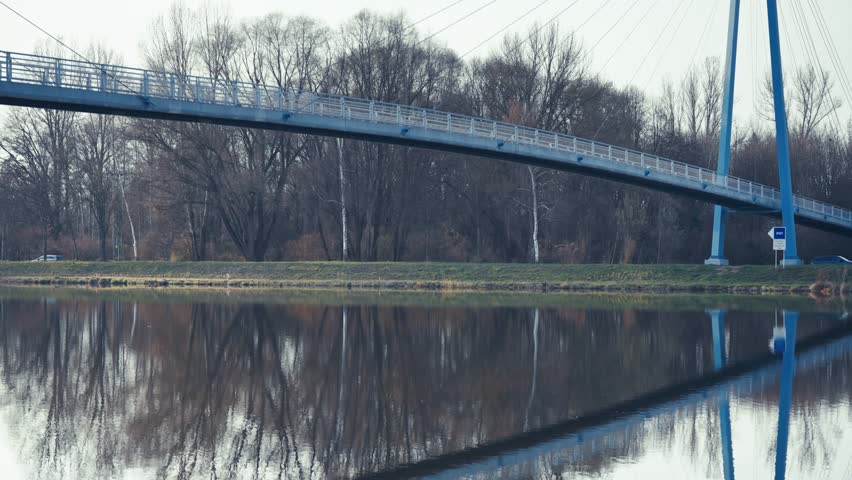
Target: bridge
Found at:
x=57, y=83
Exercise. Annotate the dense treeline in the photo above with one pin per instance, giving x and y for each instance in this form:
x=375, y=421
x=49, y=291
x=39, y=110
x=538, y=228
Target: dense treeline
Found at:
x=91, y=186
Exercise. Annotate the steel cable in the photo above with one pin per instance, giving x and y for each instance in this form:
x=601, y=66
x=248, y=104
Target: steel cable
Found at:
x=662, y=55
x=506, y=27
x=834, y=56
x=427, y=17
x=812, y=54
x=465, y=17
x=648, y=53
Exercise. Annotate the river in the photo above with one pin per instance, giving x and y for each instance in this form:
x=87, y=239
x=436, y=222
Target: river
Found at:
x=223, y=384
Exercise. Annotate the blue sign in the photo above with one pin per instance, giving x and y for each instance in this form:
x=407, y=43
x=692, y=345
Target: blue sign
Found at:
x=779, y=233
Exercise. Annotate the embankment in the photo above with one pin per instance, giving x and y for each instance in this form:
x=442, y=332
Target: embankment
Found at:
x=747, y=279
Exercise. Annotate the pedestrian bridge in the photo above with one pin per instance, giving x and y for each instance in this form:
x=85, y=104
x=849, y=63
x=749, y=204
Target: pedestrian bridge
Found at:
x=47, y=82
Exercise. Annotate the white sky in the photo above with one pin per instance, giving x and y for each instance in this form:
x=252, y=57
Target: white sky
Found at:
x=122, y=26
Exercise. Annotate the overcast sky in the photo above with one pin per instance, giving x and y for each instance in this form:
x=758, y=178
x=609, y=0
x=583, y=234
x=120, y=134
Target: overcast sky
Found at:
x=688, y=30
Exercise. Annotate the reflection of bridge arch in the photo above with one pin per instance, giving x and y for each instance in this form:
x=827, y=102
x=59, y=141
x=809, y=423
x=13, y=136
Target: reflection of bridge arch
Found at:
x=591, y=429
x=46, y=82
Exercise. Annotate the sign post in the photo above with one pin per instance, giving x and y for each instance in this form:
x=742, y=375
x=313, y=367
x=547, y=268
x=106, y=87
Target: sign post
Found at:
x=779, y=241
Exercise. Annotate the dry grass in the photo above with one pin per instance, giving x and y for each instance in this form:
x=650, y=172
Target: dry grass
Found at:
x=432, y=276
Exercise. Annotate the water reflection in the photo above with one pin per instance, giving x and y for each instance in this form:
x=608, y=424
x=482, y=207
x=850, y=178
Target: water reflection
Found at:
x=99, y=389
x=783, y=342
x=788, y=366
x=545, y=454
x=720, y=359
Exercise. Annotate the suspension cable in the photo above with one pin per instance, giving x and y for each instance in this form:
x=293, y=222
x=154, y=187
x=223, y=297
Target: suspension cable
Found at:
x=617, y=21
x=540, y=28
x=833, y=55
x=701, y=38
x=436, y=12
x=811, y=51
x=509, y=25
x=674, y=35
x=648, y=53
x=465, y=17
x=602, y=87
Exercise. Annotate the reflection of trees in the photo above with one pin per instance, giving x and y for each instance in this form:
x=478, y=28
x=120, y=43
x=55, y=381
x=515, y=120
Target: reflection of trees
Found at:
x=257, y=391
x=817, y=417
x=60, y=366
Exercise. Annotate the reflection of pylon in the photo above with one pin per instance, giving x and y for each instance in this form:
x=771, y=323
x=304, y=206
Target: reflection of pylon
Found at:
x=779, y=336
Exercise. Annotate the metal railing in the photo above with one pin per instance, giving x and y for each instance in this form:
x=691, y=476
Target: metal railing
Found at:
x=151, y=85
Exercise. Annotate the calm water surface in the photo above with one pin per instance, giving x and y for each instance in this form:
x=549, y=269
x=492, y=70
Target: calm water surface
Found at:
x=119, y=385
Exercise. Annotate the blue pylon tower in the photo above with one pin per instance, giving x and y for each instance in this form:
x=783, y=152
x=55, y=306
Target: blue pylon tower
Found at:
x=717, y=254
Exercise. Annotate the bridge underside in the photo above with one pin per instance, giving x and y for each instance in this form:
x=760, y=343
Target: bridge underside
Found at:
x=28, y=95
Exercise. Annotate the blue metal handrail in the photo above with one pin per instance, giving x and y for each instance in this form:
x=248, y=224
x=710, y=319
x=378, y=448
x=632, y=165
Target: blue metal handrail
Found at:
x=151, y=85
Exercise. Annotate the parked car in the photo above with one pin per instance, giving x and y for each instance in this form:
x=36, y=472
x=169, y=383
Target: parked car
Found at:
x=49, y=258
x=831, y=260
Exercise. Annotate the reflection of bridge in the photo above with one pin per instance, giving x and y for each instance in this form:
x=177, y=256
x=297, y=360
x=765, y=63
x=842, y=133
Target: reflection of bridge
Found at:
x=46, y=82
x=588, y=429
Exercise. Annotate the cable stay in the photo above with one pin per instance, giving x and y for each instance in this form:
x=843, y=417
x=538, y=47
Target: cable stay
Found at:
x=506, y=27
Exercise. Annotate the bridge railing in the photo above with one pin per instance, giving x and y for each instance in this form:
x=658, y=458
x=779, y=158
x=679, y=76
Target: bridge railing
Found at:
x=150, y=85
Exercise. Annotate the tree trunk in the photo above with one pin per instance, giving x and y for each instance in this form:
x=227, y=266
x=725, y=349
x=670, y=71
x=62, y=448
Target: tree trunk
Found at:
x=129, y=220
x=322, y=238
x=338, y=430
x=198, y=228
x=343, y=253
x=535, y=369
x=204, y=229
x=534, y=215
x=73, y=237
x=44, y=241
x=102, y=239
x=659, y=233
x=116, y=237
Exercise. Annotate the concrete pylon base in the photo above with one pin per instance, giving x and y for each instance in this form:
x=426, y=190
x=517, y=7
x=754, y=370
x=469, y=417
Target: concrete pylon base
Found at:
x=717, y=261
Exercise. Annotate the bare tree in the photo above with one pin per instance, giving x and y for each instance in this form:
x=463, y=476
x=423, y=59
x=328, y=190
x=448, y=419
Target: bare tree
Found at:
x=97, y=151
x=690, y=93
x=343, y=233
x=813, y=100
x=39, y=146
x=381, y=59
x=712, y=96
x=534, y=80
x=766, y=104
x=100, y=139
x=173, y=47
x=242, y=172
x=122, y=167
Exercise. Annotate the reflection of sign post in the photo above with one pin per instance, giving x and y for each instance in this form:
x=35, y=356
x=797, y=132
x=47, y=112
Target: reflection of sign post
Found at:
x=779, y=240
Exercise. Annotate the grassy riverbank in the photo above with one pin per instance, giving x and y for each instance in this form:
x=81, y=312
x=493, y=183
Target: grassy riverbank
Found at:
x=434, y=276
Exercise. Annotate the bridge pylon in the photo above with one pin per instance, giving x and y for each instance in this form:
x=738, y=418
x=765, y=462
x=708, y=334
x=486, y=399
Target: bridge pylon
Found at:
x=717, y=253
